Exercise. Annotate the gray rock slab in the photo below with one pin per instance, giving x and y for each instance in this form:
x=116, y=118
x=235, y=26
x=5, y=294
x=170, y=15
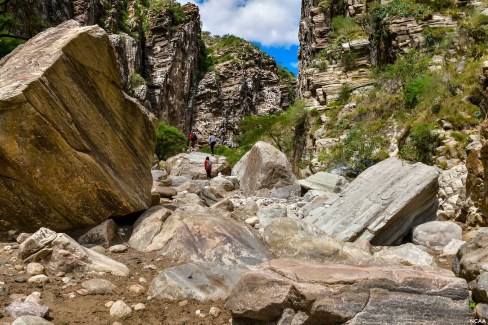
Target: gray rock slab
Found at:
x=382, y=205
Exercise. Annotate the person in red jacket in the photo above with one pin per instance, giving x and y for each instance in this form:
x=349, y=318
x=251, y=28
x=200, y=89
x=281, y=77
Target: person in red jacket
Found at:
x=208, y=167
x=193, y=139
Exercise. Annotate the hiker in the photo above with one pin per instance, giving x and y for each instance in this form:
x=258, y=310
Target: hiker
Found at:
x=208, y=168
x=212, y=140
x=193, y=139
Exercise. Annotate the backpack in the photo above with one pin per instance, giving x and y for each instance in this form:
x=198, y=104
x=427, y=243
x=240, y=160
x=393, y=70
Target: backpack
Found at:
x=193, y=137
x=209, y=165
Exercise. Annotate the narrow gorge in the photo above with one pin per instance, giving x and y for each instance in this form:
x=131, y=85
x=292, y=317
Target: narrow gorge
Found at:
x=351, y=193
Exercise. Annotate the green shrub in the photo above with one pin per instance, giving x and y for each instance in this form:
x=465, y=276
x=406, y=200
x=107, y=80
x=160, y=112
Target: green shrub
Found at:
x=421, y=144
x=437, y=4
x=360, y=150
x=285, y=75
x=399, y=9
x=348, y=60
x=460, y=137
x=344, y=94
x=276, y=128
x=233, y=155
x=346, y=27
x=169, y=141
x=414, y=89
x=136, y=80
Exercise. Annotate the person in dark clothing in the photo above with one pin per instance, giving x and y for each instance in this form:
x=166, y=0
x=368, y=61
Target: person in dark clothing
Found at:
x=208, y=168
x=212, y=140
x=193, y=139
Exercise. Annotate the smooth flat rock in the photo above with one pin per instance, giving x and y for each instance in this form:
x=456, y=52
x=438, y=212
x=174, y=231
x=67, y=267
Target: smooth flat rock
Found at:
x=196, y=281
x=193, y=236
x=348, y=294
x=64, y=167
x=326, y=182
x=17, y=309
x=61, y=253
x=191, y=165
x=98, y=286
x=407, y=254
x=436, y=234
x=263, y=167
x=291, y=238
x=382, y=205
x=31, y=320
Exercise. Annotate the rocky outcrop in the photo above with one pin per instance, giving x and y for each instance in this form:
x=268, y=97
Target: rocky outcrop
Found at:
x=61, y=166
x=472, y=257
x=61, y=253
x=33, y=17
x=172, y=52
x=312, y=293
x=263, y=167
x=382, y=205
x=194, y=236
x=128, y=53
x=242, y=81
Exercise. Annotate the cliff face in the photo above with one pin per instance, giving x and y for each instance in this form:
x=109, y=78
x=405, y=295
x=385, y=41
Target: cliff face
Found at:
x=172, y=53
x=237, y=80
x=188, y=81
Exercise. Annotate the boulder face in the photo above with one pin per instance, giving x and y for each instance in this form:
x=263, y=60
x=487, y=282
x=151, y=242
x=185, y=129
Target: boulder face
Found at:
x=74, y=149
x=191, y=236
x=382, y=205
x=339, y=294
x=263, y=167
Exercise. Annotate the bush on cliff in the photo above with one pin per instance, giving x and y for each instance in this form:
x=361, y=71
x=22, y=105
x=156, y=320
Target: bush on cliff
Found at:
x=170, y=141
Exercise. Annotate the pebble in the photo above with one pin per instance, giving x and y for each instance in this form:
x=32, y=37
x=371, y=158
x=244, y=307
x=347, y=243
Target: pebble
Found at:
x=3, y=289
x=150, y=267
x=98, y=286
x=109, y=304
x=200, y=314
x=34, y=298
x=82, y=292
x=120, y=309
x=139, y=306
x=20, y=279
x=137, y=289
x=38, y=279
x=183, y=303
x=35, y=269
x=215, y=312
x=19, y=267
x=60, y=274
x=71, y=295
x=118, y=249
x=142, y=280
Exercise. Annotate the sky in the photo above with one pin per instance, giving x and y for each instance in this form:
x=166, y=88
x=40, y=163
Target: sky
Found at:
x=270, y=24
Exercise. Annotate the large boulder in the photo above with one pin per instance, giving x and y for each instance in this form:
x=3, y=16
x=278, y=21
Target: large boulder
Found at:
x=196, y=281
x=194, y=236
x=102, y=234
x=263, y=167
x=407, y=254
x=61, y=253
x=339, y=294
x=74, y=148
x=382, y=205
x=472, y=258
x=292, y=238
x=191, y=165
x=436, y=234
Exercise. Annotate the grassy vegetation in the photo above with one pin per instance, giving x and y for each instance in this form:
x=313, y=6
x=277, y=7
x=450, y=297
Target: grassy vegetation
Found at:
x=233, y=155
x=170, y=141
x=346, y=28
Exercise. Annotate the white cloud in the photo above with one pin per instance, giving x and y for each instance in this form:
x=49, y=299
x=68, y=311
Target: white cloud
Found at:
x=269, y=22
